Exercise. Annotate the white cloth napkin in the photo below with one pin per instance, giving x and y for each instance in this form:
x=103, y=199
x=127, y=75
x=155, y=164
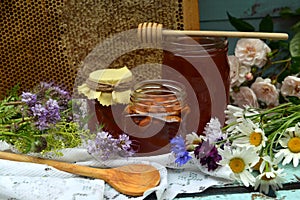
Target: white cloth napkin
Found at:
x=174, y=180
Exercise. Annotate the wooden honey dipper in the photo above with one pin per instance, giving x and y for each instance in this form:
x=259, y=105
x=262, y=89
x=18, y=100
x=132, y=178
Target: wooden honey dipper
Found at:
x=149, y=32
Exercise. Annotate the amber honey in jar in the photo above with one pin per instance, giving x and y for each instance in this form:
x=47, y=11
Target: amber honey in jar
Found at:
x=108, y=92
x=157, y=112
x=201, y=64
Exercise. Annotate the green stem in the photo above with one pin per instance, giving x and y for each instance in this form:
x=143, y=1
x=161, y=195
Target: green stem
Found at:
x=281, y=61
x=279, y=132
x=5, y=133
x=12, y=103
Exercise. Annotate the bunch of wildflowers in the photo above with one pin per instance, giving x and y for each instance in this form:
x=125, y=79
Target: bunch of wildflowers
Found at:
x=252, y=144
x=39, y=120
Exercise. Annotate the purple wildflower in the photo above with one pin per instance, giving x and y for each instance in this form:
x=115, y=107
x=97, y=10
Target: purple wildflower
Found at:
x=105, y=146
x=178, y=148
x=29, y=98
x=45, y=85
x=53, y=114
x=40, y=112
x=208, y=155
x=46, y=115
x=55, y=92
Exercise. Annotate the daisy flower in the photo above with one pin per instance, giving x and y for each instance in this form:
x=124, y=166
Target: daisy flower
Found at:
x=273, y=179
x=192, y=139
x=291, y=146
x=235, y=115
x=240, y=161
x=250, y=135
x=265, y=164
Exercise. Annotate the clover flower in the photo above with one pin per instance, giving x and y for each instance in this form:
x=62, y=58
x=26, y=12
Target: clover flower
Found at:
x=178, y=148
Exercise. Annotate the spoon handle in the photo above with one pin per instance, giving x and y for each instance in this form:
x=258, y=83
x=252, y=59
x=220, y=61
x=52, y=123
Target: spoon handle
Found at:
x=63, y=166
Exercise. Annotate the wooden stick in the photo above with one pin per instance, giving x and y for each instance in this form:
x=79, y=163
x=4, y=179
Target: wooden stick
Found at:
x=229, y=34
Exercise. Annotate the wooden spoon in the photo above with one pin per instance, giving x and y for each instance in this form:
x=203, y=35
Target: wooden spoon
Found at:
x=133, y=179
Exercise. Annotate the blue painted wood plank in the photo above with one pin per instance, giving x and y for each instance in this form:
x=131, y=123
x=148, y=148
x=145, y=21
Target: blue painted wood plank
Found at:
x=284, y=194
x=211, y=10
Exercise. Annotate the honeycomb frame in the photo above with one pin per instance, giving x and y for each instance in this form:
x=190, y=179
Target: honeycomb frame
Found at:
x=45, y=40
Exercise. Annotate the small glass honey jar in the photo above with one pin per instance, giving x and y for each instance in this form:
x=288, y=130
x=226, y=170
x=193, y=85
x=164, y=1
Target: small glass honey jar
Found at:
x=156, y=113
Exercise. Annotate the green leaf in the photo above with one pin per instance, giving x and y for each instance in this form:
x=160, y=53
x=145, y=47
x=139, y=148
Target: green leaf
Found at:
x=296, y=27
x=240, y=24
x=295, y=45
x=286, y=12
x=294, y=100
x=295, y=65
x=297, y=11
x=266, y=24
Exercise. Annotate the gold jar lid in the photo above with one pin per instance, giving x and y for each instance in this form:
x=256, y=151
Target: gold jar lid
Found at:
x=108, y=86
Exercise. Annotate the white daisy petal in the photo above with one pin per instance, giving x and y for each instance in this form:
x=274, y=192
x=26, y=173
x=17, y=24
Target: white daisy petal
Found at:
x=295, y=161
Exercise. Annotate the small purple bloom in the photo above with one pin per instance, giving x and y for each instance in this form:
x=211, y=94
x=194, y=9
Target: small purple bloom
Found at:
x=177, y=144
x=40, y=113
x=53, y=114
x=124, y=142
x=45, y=85
x=182, y=158
x=29, y=98
x=178, y=148
x=105, y=146
x=208, y=155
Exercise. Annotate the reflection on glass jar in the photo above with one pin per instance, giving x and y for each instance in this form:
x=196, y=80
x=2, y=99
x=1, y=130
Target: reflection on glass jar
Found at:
x=201, y=64
x=156, y=113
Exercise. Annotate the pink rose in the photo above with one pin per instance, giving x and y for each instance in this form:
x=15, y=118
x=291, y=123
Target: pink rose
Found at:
x=291, y=86
x=252, y=52
x=245, y=96
x=237, y=71
x=265, y=91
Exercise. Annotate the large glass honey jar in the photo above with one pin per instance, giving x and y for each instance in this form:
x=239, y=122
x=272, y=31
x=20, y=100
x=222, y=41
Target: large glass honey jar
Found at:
x=157, y=112
x=201, y=64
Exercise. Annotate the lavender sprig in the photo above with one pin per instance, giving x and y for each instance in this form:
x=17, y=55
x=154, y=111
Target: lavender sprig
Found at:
x=106, y=147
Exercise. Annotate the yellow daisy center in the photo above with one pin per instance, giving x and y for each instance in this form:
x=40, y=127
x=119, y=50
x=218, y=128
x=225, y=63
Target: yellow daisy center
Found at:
x=255, y=138
x=294, y=144
x=237, y=165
